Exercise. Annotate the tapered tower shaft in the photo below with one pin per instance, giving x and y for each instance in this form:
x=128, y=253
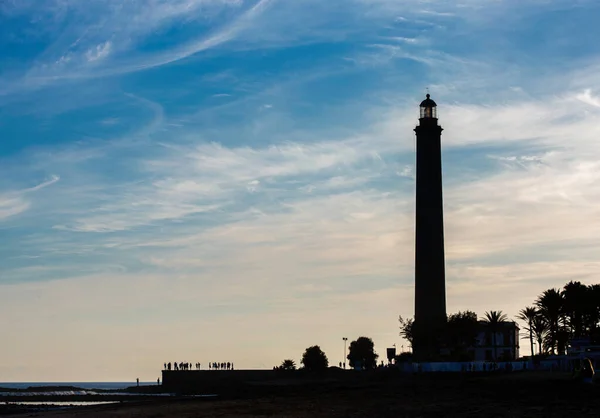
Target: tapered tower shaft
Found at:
x=430, y=280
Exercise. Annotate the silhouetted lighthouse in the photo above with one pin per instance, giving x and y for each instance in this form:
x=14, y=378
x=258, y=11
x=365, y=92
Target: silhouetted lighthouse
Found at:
x=430, y=280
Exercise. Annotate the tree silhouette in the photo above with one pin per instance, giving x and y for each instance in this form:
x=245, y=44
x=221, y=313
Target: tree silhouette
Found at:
x=575, y=307
x=314, y=359
x=551, y=306
x=406, y=329
x=594, y=314
x=563, y=314
x=362, y=351
x=540, y=330
x=461, y=333
x=288, y=365
x=528, y=315
x=494, y=319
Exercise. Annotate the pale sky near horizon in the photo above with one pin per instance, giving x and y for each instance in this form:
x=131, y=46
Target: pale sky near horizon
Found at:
x=231, y=180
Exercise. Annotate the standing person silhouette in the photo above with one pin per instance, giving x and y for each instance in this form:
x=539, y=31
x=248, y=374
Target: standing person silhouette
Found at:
x=137, y=381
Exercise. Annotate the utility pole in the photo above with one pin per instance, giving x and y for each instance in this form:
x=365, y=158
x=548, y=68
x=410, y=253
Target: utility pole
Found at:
x=345, y=340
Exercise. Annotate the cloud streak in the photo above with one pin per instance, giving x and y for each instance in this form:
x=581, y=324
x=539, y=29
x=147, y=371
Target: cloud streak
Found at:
x=99, y=52
x=127, y=34
x=14, y=202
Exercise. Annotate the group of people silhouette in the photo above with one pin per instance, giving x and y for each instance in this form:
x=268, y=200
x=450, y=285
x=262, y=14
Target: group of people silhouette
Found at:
x=197, y=366
x=181, y=366
x=220, y=366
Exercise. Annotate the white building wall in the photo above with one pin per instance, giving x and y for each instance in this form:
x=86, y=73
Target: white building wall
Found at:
x=484, y=350
x=472, y=366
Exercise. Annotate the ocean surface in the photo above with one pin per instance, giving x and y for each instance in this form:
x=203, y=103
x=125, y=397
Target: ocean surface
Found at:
x=61, y=403
x=82, y=385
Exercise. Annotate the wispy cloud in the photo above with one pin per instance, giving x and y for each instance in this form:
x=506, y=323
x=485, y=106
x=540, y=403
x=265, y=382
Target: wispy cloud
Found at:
x=11, y=205
x=113, y=34
x=13, y=202
x=588, y=98
x=110, y=121
x=130, y=26
x=99, y=52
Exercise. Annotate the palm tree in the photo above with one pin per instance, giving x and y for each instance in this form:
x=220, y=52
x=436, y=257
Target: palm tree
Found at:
x=551, y=306
x=594, y=316
x=288, y=365
x=574, y=303
x=540, y=330
x=493, y=319
x=528, y=315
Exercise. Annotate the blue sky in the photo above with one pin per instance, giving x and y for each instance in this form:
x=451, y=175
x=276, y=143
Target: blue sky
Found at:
x=228, y=180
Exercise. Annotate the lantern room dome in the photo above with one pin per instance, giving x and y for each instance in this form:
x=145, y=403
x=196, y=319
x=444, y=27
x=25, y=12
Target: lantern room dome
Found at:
x=428, y=109
x=428, y=102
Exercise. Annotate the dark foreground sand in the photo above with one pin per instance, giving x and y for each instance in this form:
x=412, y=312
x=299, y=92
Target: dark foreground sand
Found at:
x=545, y=395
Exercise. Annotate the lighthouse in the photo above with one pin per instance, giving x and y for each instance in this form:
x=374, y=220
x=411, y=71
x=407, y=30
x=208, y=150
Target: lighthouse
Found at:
x=430, y=280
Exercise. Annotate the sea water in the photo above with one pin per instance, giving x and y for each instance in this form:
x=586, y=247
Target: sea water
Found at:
x=62, y=403
x=82, y=385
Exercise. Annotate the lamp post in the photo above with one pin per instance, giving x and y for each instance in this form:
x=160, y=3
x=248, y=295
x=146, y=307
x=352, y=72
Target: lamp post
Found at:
x=345, y=340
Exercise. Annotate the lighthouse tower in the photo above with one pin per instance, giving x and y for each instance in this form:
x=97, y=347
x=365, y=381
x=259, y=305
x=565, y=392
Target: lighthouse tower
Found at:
x=430, y=280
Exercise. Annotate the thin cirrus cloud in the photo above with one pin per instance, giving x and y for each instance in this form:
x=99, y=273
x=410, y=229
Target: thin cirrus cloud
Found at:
x=587, y=97
x=99, y=52
x=152, y=195
x=13, y=202
x=126, y=36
